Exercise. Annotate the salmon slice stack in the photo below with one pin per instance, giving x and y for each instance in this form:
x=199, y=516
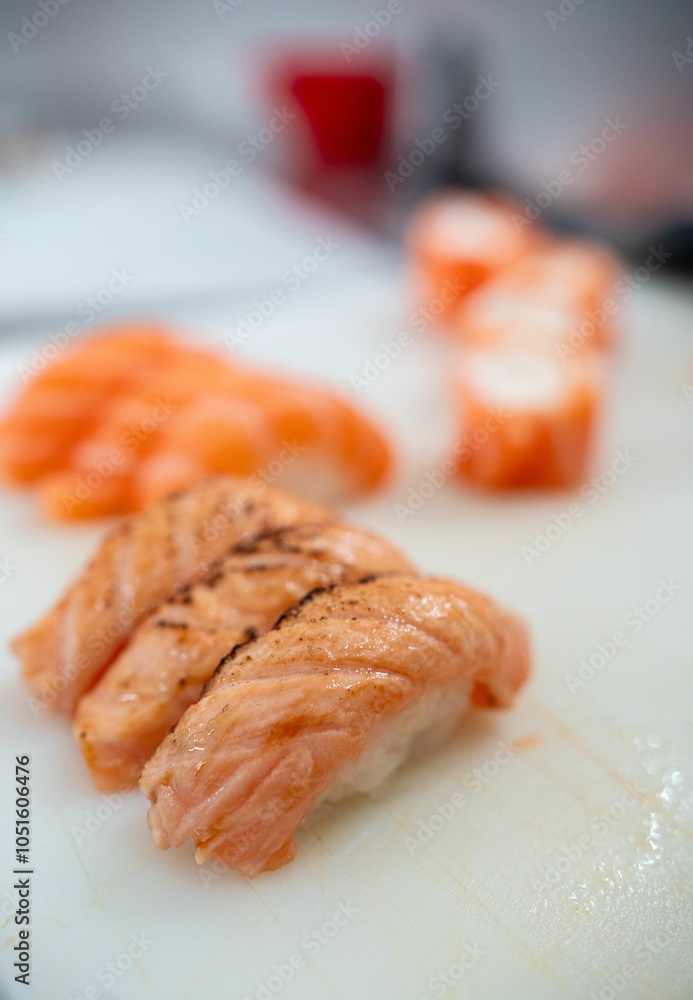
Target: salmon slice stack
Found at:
x=139, y=564
x=175, y=651
x=326, y=703
x=120, y=420
x=459, y=240
x=526, y=419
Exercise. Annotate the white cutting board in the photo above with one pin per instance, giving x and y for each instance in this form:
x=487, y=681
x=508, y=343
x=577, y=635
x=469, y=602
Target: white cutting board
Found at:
x=499, y=902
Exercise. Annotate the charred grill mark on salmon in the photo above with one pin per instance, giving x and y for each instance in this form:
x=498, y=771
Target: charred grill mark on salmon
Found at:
x=290, y=718
x=140, y=696
x=135, y=569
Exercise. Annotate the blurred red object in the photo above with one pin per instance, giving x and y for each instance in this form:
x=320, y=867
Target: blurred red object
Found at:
x=345, y=114
x=337, y=147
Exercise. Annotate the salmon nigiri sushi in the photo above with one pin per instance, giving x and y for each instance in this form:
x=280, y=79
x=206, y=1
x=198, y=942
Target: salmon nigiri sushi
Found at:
x=325, y=704
x=122, y=720
x=137, y=567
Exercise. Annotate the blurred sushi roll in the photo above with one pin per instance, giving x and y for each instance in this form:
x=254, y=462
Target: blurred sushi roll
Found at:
x=495, y=319
x=526, y=418
x=458, y=240
x=565, y=289
x=530, y=377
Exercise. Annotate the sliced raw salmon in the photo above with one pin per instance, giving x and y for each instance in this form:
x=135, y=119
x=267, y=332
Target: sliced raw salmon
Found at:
x=64, y=402
x=137, y=567
x=174, y=652
x=326, y=703
x=123, y=418
x=85, y=494
x=213, y=432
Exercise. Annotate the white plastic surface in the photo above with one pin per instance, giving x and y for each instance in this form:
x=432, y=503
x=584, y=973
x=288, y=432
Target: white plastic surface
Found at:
x=558, y=870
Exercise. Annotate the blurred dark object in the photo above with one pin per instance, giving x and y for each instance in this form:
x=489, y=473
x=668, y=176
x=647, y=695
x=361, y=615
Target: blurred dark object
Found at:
x=677, y=240
x=434, y=142
x=447, y=72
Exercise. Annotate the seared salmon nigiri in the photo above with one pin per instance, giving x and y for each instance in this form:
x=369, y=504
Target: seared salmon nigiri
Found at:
x=122, y=720
x=326, y=703
x=137, y=567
